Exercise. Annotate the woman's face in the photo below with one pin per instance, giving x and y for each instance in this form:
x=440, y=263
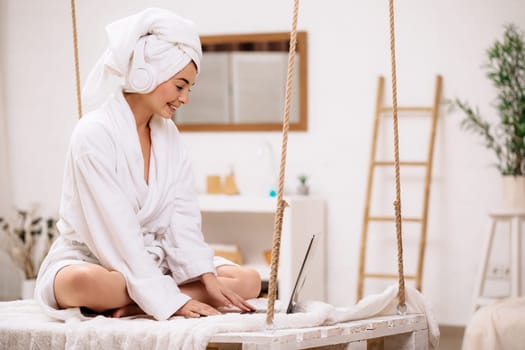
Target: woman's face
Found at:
x=173, y=93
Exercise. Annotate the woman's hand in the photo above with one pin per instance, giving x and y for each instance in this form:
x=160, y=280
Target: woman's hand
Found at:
x=195, y=309
x=222, y=295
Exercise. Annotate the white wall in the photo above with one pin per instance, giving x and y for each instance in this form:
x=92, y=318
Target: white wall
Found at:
x=348, y=49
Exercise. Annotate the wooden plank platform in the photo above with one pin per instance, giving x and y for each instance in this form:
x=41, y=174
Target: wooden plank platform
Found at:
x=393, y=332
x=24, y=326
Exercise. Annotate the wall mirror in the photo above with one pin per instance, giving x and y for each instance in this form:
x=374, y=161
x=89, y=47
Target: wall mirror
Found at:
x=242, y=83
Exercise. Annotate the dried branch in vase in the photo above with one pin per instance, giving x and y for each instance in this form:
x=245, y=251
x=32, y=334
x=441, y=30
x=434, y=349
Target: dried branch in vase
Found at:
x=27, y=239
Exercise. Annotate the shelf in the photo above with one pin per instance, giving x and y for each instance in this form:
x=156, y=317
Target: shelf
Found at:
x=248, y=222
x=507, y=213
x=221, y=203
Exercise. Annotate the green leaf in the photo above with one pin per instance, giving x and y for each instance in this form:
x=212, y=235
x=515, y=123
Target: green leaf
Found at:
x=505, y=68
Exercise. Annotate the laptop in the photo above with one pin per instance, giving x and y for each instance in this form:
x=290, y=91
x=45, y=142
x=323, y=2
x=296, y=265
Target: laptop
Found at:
x=261, y=304
x=301, y=276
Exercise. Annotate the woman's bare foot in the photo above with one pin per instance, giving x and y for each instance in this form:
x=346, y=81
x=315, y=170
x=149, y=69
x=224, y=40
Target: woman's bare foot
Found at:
x=128, y=310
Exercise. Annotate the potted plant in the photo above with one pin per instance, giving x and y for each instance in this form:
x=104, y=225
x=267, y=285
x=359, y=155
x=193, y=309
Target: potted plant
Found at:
x=27, y=239
x=303, y=188
x=506, y=69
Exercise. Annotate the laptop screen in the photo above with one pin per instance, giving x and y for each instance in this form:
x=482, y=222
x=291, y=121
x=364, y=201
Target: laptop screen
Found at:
x=301, y=276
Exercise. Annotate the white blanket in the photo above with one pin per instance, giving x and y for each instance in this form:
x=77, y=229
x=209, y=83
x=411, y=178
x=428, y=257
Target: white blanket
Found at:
x=24, y=326
x=498, y=326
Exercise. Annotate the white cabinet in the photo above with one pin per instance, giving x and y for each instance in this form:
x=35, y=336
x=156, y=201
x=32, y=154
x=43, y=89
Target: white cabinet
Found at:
x=248, y=222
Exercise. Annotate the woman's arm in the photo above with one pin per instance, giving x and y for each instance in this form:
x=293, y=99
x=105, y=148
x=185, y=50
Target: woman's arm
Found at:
x=188, y=255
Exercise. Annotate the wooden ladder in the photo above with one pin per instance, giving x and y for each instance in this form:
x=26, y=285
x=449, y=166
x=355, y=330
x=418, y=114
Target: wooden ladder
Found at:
x=380, y=110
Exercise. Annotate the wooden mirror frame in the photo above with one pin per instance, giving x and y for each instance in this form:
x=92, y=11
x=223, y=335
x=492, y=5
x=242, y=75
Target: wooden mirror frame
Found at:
x=260, y=42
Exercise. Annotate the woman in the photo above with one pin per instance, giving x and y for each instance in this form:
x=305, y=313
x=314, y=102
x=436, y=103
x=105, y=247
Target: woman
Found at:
x=130, y=239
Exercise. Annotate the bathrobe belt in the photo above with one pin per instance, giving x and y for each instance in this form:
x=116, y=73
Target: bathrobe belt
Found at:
x=154, y=244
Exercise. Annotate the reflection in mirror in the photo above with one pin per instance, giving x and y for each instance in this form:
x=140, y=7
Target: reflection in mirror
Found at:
x=242, y=84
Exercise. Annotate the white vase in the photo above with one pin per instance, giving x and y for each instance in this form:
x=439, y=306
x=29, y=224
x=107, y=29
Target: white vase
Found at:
x=513, y=192
x=303, y=190
x=28, y=288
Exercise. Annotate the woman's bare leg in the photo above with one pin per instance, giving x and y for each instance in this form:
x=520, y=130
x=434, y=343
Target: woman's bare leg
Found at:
x=244, y=281
x=128, y=310
x=91, y=286
x=101, y=290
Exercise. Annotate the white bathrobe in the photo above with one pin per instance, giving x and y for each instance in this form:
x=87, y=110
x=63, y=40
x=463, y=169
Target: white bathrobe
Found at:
x=149, y=232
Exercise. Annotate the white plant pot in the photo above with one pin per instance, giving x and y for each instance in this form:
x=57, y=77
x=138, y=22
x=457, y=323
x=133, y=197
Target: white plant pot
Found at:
x=303, y=190
x=513, y=192
x=28, y=288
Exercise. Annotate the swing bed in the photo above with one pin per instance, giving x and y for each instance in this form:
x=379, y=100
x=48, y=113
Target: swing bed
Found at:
x=397, y=319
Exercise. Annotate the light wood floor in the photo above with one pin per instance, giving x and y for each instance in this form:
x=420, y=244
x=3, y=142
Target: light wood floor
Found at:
x=451, y=337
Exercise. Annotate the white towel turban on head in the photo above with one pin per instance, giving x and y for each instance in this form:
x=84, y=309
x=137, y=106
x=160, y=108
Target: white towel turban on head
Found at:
x=171, y=43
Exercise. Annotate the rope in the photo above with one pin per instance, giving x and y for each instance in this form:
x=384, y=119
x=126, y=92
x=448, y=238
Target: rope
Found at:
x=75, y=49
x=281, y=204
x=397, y=202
